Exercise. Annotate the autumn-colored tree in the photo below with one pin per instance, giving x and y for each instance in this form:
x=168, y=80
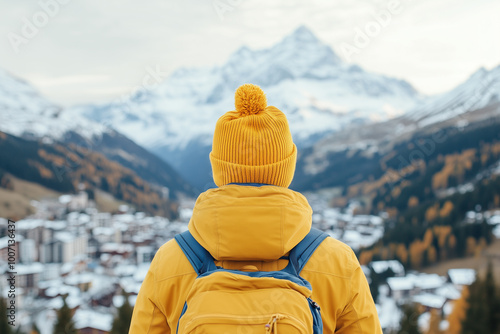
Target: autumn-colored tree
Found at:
x=458, y=314
x=471, y=246
x=446, y=209
x=402, y=253
x=365, y=257
x=413, y=201
x=416, y=253
x=442, y=233
x=432, y=255
x=432, y=213
x=434, y=323
x=428, y=237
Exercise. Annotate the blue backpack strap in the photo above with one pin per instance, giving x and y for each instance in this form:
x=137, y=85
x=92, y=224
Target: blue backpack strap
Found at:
x=301, y=253
x=199, y=257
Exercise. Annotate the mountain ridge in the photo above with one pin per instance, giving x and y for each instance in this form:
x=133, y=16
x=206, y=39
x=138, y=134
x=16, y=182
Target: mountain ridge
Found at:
x=24, y=113
x=301, y=75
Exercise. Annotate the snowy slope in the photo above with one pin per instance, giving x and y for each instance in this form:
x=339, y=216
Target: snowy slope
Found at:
x=482, y=88
x=475, y=100
x=300, y=75
x=24, y=112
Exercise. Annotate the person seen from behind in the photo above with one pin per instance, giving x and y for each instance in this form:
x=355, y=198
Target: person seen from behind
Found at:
x=251, y=222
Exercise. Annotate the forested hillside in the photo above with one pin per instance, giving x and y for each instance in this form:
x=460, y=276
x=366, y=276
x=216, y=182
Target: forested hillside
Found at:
x=426, y=184
x=64, y=167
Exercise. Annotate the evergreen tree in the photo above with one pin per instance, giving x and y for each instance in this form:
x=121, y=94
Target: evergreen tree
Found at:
x=4, y=321
x=409, y=320
x=64, y=323
x=121, y=323
x=374, y=284
x=476, y=316
x=492, y=300
x=483, y=312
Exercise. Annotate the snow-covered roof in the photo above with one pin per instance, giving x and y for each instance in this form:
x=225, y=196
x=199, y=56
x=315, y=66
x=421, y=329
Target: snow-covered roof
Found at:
x=32, y=268
x=462, y=276
x=494, y=220
x=104, y=231
x=430, y=300
x=123, y=270
x=141, y=272
x=449, y=291
x=496, y=231
x=130, y=285
x=422, y=281
x=356, y=240
x=389, y=313
x=65, y=199
x=81, y=278
x=93, y=319
x=72, y=301
x=400, y=283
x=125, y=218
x=382, y=266
x=4, y=242
x=116, y=247
x=367, y=219
x=64, y=236
x=28, y=224
x=67, y=267
x=429, y=281
x=61, y=290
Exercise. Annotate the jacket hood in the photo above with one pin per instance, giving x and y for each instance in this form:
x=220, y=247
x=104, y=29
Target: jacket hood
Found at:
x=246, y=223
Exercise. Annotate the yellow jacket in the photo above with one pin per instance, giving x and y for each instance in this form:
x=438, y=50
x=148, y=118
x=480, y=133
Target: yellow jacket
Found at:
x=248, y=227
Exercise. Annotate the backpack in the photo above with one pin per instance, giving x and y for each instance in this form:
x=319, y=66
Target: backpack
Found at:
x=239, y=302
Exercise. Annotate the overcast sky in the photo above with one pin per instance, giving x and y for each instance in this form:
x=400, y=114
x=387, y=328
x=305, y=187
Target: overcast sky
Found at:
x=95, y=50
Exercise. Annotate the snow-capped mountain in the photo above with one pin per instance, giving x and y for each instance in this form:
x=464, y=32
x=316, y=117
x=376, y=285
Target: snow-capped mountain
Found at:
x=25, y=113
x=481, y=89
x=301, y=75
x=474, y=101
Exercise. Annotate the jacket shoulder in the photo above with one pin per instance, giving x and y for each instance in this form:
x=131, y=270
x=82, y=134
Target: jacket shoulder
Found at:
x=170, y=262
x=333, y=258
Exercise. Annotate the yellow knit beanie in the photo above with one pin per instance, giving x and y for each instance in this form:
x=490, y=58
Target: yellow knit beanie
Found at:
x=253, y=143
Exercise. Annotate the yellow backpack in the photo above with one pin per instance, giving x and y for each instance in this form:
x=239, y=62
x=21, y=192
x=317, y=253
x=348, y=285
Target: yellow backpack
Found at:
x=231, y=301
